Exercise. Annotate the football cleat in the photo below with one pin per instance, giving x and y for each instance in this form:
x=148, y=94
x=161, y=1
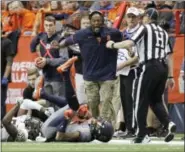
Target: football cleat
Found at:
x=141, y=140
x=171, y=131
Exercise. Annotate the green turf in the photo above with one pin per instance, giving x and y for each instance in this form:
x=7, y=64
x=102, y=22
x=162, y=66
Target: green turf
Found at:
x=87, y=147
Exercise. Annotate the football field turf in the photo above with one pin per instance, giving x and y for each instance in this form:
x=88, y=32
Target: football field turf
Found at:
x=112, y=146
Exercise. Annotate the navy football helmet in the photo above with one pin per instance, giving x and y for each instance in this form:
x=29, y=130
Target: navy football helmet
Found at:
x=102, y=130
x=33, y=125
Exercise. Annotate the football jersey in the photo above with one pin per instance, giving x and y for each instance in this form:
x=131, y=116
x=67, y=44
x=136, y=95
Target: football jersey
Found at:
x=83, y=128
x=18, y=123
x=4, y=134
x=123, y=56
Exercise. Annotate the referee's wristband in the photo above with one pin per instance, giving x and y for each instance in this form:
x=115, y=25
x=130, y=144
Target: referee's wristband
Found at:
x=170, y=77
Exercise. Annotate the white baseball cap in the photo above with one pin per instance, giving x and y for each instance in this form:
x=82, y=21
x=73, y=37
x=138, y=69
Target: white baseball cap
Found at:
x=133, y=10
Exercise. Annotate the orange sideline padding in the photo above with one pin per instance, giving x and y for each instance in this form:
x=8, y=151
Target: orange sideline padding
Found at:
x=23, y=60
x=174, y=95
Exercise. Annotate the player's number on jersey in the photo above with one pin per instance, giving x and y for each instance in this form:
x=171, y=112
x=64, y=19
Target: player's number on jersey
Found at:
x=122, y=57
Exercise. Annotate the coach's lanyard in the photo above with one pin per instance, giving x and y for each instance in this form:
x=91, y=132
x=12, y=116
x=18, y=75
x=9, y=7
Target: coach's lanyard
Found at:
x=47, y=48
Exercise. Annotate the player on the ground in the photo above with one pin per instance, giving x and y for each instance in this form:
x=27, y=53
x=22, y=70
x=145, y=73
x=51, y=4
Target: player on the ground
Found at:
x=76, y=126
x=22, y=127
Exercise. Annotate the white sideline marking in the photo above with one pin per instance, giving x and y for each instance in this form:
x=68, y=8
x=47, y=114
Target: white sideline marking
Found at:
x=172, y=143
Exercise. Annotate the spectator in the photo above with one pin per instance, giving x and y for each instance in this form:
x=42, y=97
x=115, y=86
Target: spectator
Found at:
x=60, y=17
x=50, y=58
x=102, y=5
x=55, y=5
x=26, y=5
x=44, y=7
x=85, y=22
x=32, y=74
x=25, y=19
x=166, y=14
x=126, y=67
x=85, y=5
x=74, y=20
x=69, y=6
x=8, y=20
x=159, y=4
x=34, y=5
x=170, y=3
x=136, y=4
x=105, y=5
x=181, y=5
x=10, y=26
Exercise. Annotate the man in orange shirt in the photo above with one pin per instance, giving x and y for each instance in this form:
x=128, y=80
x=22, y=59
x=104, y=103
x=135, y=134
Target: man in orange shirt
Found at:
x=8, y=20
x=25, y=18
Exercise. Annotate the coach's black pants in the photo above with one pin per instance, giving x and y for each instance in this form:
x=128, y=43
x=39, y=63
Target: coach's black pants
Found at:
x=148, y=91
x=126, y=87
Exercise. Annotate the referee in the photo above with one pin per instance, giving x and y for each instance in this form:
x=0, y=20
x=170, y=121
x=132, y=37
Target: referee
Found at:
x=153, y=73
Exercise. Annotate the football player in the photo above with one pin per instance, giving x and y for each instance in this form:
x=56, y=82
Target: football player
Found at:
x=22, y=127
x=76, y=126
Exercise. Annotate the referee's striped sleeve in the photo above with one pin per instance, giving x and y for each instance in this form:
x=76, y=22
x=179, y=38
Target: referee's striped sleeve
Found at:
x=139, y=34
x=169, y=48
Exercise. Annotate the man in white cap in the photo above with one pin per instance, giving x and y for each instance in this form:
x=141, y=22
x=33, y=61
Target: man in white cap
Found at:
x=126, y=65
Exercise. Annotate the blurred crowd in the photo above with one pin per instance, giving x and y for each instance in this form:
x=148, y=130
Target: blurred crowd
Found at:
x=27, y=15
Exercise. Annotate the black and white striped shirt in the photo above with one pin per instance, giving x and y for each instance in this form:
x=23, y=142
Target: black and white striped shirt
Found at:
x=152, y=42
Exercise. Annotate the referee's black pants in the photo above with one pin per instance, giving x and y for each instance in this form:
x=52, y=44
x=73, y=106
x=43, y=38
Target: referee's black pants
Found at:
x=126, y=87
x=149, y=88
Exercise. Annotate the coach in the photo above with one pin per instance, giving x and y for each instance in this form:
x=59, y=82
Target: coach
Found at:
x=99, y=63
x=153, y=73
